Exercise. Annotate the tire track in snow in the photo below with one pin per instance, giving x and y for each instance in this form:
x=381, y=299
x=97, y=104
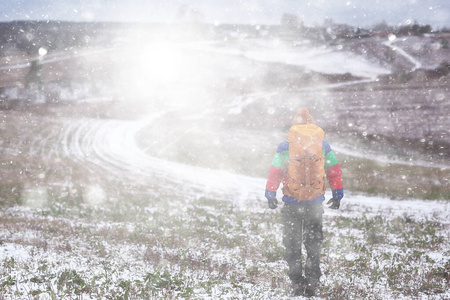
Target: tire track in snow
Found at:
x=112, y=146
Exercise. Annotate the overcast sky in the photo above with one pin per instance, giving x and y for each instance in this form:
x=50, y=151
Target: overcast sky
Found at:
x=353, y=12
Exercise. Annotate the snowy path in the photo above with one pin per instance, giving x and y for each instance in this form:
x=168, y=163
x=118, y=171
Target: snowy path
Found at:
x=111, y=145
x=417, y=64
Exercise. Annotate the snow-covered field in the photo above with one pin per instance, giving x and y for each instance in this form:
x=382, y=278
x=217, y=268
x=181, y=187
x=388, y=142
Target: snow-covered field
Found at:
x=208, y=247
x=158, y=193
x=154, y=228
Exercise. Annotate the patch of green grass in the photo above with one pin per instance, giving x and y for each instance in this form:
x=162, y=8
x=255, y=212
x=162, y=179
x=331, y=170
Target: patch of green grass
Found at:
x=435, y=192
x=385, y=253
x=394, y=180
x=10, y=194
x=195, y=247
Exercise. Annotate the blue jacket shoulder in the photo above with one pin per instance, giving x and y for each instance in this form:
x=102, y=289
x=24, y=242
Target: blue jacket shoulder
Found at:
x=326, y=146
x=283, y=146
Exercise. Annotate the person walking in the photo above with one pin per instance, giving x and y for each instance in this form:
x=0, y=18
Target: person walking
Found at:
x=302, y=163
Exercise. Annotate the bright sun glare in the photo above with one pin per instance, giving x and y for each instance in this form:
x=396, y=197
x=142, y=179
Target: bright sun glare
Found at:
x=162, y=61
x=145, y=67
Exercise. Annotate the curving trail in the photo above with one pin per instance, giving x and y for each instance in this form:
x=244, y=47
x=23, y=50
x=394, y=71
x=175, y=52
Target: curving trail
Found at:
x=111, y=146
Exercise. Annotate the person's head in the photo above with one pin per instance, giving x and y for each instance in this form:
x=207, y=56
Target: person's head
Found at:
x=303, y=117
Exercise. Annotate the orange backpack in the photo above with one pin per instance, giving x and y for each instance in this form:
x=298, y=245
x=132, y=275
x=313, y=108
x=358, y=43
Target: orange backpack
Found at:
x=306, y=175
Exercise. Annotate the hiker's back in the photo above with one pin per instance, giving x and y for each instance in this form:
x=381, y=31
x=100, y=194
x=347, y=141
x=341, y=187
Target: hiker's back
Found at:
x=306, y=163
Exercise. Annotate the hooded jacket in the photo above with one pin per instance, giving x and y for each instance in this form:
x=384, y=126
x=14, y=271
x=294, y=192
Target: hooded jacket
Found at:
x=278, y=171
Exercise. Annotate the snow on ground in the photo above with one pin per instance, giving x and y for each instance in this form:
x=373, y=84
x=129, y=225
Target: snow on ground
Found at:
x=417, y=209
x=391, y=44
x=34, y=255
x=112, y=145
x=324, y=59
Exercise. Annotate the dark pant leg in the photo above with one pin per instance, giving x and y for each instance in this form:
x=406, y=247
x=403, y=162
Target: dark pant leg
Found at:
x=313, y=237
x=292, y=240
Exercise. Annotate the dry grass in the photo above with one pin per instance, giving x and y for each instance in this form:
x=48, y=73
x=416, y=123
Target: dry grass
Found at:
x=394, y=180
